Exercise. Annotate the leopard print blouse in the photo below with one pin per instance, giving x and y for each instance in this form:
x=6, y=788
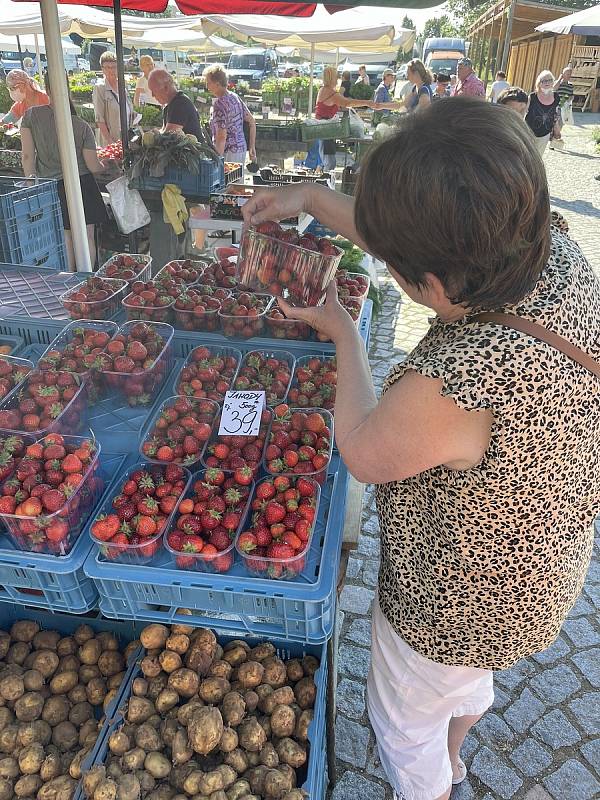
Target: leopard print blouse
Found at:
x=480, y=567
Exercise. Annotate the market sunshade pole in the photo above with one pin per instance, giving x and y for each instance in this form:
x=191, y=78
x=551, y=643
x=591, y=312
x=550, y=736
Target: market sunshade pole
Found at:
x=311, y=78
x=64, y=130
x=38, y=58
x=121, y=75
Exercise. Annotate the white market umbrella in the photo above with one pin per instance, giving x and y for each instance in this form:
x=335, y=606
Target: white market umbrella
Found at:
x=178, y=38
x=583, y=23
x=28, y=43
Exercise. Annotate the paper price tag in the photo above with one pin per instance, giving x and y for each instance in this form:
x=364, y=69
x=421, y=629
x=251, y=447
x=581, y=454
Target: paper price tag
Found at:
x=241, y=413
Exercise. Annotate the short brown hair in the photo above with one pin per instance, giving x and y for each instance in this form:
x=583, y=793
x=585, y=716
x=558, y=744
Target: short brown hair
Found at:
x=216, y=73
x=479, y=221
x=107, y=57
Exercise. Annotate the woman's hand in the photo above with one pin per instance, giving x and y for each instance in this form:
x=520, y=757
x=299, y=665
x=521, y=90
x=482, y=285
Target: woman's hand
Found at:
x=252, y=154
x=276, y=204
x=331, y=319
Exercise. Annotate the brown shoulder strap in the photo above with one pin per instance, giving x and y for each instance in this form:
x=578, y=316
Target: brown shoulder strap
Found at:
x=544, y=335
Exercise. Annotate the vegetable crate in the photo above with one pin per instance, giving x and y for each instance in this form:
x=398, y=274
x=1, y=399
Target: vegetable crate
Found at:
x=31, y=227
x=32, y=292
x=301, y=609
x=66, y=625
x=57, y=583
x=312, y=777
x=209, y=178
x=336, y=128
x=14, y=342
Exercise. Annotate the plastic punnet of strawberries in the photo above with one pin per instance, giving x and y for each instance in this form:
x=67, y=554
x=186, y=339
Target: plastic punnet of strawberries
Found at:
x=95, y=298
x=352, y=284
x=280, y=327
x=54, y=486
x=314, y=383
x=130, y=525
x=113, y=150
x=243, y=315
x=179, y=431
x=209, y=517
x=11, y=448
x=220, y=273
x=276, y=543
x=148, y=301
x=197, y=311
x=137, y=360
x=300, y=442
x=185, y=270
x=271, y=372
x=12, y=372
x=127, y=267
x=55, y=400
x=240, y=454
x=208, y=372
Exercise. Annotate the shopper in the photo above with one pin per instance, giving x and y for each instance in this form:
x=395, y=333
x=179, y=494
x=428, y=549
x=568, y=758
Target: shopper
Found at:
x=363, y=76
x=346, y=83
x=179, y=113
x=228, y=115
x=484, y=445
x=442, y=87
x=25, y=93
x=143, y=95
x=564, y=88
x=469, y=85
x=499, y=85
x=383, y=95
x=421, y=95
x=105, y=97
x=515, y=98
x=40, y=156
x=541, y=115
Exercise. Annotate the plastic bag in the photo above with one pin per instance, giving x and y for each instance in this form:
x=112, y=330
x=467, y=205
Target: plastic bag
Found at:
x=357, y=126
x=127, y=206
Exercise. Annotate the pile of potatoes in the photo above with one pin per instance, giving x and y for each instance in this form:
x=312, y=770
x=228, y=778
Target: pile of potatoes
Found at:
x=49, y=687
x=209, y=722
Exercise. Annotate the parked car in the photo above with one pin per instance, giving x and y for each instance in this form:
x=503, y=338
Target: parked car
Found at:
x=253, y=64
x=402, y=72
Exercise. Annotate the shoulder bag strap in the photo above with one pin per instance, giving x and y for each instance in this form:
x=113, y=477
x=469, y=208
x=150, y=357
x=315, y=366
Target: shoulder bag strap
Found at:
x=544, y=335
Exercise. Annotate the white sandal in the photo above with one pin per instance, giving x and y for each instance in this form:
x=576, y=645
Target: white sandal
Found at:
x=461, y=773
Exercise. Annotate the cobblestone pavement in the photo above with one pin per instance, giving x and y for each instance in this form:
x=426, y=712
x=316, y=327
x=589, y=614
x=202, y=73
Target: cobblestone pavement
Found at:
x=541, y=739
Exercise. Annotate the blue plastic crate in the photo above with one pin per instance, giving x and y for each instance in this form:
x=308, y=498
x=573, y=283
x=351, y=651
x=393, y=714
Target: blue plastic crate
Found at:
x=209, y=178
x=301, y=610
x=29, y=292
x=16, y=343
x=31, y=227
x=57, y=583
x=313, y=776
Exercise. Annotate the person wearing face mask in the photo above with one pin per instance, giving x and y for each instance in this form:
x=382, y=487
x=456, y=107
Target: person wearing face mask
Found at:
x=24, y=92
x=541, y=115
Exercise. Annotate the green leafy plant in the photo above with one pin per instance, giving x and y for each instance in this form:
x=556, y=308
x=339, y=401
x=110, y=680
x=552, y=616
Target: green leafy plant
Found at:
x=360, y=91
x=151, y=116
x=10, y=142
x=154, y=153
x=242, y=88
x=5, y=100
x=81, y=94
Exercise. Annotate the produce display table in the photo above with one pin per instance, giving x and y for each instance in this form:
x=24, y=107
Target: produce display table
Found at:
x=297, y=615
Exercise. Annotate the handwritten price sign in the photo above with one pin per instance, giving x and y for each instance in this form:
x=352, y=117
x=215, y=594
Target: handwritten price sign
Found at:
x=241, y=413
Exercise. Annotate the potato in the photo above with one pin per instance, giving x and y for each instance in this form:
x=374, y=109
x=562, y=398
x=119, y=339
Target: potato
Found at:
x=89, y=729
x=64, y=682
x=229, y=740
x=6, y=789
x=31, y=758
x=134, y=759
x=167, y=730
x=156, y=685
x=29, y=707
x=139, y=710
x=290, y=752
x=65, y=736
x=60, y=788
x=201, y=651
x=239, y=790
x=235, y=655
x=233, y=708
x=148, y=738
x=78, y=694
x=302, y=723
x=140, y=687
x=119, y=743
x=128, y=788
x=17, y=653
x=184, y=681
x=90, y=652
x=238, y=759
x=106, y=790
x=147, y=782
x=68, y=664
x=310, y=664
x=275, y=672
x=51, y=766
x=169, y=661
x=220, y=669
x=56, y=709
x=109, y=697
x=92, y=778
x=111, y=662
x=12, y=687
x=283, y=721
x=178, y=642
x=265, y=724
x=295, y=794
x=181, y=752
x=36, y=731
x=75, y=768
x=205, y=729
x=251, y=700
x=166, y=700
x=8, y=738
x=157, y=765
x=83, y=634
x=46, y=640
x=262, y=651
x=305, y=692
x=252, y=736
x=33, y=680
x=282, y=696
x=154, y=636
x=295, y=670
x=256, y=779
x=114, y=681
x=4, y=644
x=276, y=784
x=24, y=630
x=250, y=674
x=151, y=666
x=253, y=759
x=88, y=672
x=6, y=717
x=268, y=756
x=67, y=646
x=9, y=767
x=213, y=690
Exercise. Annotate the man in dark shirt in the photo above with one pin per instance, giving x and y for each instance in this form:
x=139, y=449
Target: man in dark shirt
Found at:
x=179, y=113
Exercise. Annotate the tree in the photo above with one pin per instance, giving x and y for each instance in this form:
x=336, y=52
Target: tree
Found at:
x=408, y=23
x=465, y=12
x=439, y=26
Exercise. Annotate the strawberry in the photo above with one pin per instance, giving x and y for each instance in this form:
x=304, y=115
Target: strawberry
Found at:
x=280, y=551
x=246, y=542
x=274, y=512
x=220, y=540
x=145, y=525
x=53, y=500
x=105, y=527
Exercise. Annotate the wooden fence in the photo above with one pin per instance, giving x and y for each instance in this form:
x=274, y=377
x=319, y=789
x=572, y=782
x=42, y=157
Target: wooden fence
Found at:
x=530, y=56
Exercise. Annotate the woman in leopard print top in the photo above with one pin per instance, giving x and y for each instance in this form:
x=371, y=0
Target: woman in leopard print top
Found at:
x=484, y=446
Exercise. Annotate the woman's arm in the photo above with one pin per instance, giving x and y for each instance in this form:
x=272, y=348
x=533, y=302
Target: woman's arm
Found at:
x=351, y=102
x=92, y=161
x=220, y=140
x=136, y=96
x=8, y=118
x=27, y=152
x=424, y=100
x=249, y=118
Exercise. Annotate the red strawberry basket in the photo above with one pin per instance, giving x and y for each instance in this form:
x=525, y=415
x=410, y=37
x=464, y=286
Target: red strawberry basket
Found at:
x=128, y=267
x=202, y=533
x=244, y=325
x=268, y=370
x=198, y=310
x=179, y=430
x=277, y=539
x=128, y=527
x=13, y=371
x=237, y=452
x=50, y=507
x=95, y=298
x=136, y=308
x=302, y=447
x=282, y=266
x=280, y=327
x=185, y=269
x=208, y=371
